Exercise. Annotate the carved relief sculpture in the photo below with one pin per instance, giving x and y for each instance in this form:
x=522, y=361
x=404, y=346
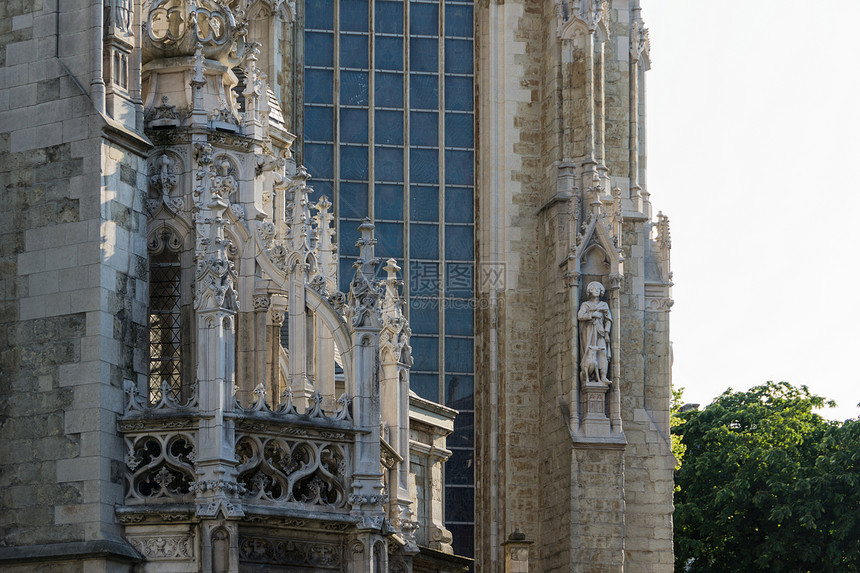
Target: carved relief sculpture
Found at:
x=595, y=324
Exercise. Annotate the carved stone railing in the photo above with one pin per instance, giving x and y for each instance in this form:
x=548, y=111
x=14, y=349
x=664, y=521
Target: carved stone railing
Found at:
x=281, y=471
x=288, y=459
x=160, y=468
x=284, y=459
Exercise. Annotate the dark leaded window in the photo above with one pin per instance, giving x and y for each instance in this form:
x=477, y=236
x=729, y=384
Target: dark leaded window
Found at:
x=165, y=337
x=389, y=134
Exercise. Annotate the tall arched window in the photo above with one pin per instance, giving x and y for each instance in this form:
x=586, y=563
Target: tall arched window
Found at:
x=165, y=333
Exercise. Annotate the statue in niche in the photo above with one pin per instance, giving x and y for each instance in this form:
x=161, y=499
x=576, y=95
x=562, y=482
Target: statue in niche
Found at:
x=595, y=324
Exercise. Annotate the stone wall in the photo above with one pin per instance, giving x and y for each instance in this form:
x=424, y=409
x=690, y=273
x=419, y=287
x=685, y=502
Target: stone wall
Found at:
x=73, y=290
x=646, y=395
x=587, y=506
x=507, y=381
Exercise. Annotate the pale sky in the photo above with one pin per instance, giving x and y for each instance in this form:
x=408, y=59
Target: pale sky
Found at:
x=754, y=153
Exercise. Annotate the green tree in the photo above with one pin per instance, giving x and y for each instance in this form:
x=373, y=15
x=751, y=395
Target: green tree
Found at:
x=676, y=420
x=766, y=484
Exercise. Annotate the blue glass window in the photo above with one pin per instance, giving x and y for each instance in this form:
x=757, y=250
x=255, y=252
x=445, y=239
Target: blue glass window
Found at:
x=458, y=20
x=319, y=124
x=460, y=391
x=458, y=93
x=424, y=128
x=424, y=203
x=424, y=91
x=425, y=352
x=423, y=241
x=459, y=469
x=319, y=160
x=389, y=17
x=458, y=57
x=353, y=125
x=459, y=318
x=389, y=237
x=348, y=234
x=389, y=90
x=424, y=19
x=388, y=202
x=424, y=54
x=459, y=167
x=319, y=86
x=389, y=164
x=459, y=504
x=353, y=162
x=424, y=279
x=425, y=385
x=353, y=200
x=353, y=15
x=353, y=88
x=424, y=165
x=459, y=205
x=459, y=278
x=424, y=316
x=459, y=130
x=389, y=53
x=463, y=434
x=319, y=14
x=459, y=243
x=459, y=355
x=319, y=49
x=389, y=127
x=353, y=51
x=322, y=187
x=463, y=535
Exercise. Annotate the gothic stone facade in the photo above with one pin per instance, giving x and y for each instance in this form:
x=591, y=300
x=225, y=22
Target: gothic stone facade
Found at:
x=285, y=438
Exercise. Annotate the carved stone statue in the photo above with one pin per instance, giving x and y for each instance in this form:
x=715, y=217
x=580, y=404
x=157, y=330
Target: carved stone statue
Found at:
x=595, y=324
x=118, y=14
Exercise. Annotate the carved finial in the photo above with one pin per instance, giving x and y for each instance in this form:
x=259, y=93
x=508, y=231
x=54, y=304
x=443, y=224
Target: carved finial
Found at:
x=663, y=235
x=301, y=177
x=366, y=242
x=364, y=293
x=664, y=245
x=391, y=268
x=326, y=248
x=323, y=205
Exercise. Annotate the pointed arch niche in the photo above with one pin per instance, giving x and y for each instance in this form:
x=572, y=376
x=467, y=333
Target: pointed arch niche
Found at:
x=595, y=408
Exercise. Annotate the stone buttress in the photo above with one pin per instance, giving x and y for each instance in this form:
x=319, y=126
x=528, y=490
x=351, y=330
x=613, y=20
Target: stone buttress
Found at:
x=575, y=353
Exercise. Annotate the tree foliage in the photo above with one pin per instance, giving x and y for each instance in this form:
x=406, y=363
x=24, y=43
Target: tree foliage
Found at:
x=676, y=420
x=766, y=484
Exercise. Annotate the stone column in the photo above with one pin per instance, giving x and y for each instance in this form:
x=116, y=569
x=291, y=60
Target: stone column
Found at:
x=274, y=322
x=216, y=306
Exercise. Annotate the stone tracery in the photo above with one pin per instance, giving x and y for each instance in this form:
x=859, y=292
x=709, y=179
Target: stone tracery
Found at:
x=264, y=265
